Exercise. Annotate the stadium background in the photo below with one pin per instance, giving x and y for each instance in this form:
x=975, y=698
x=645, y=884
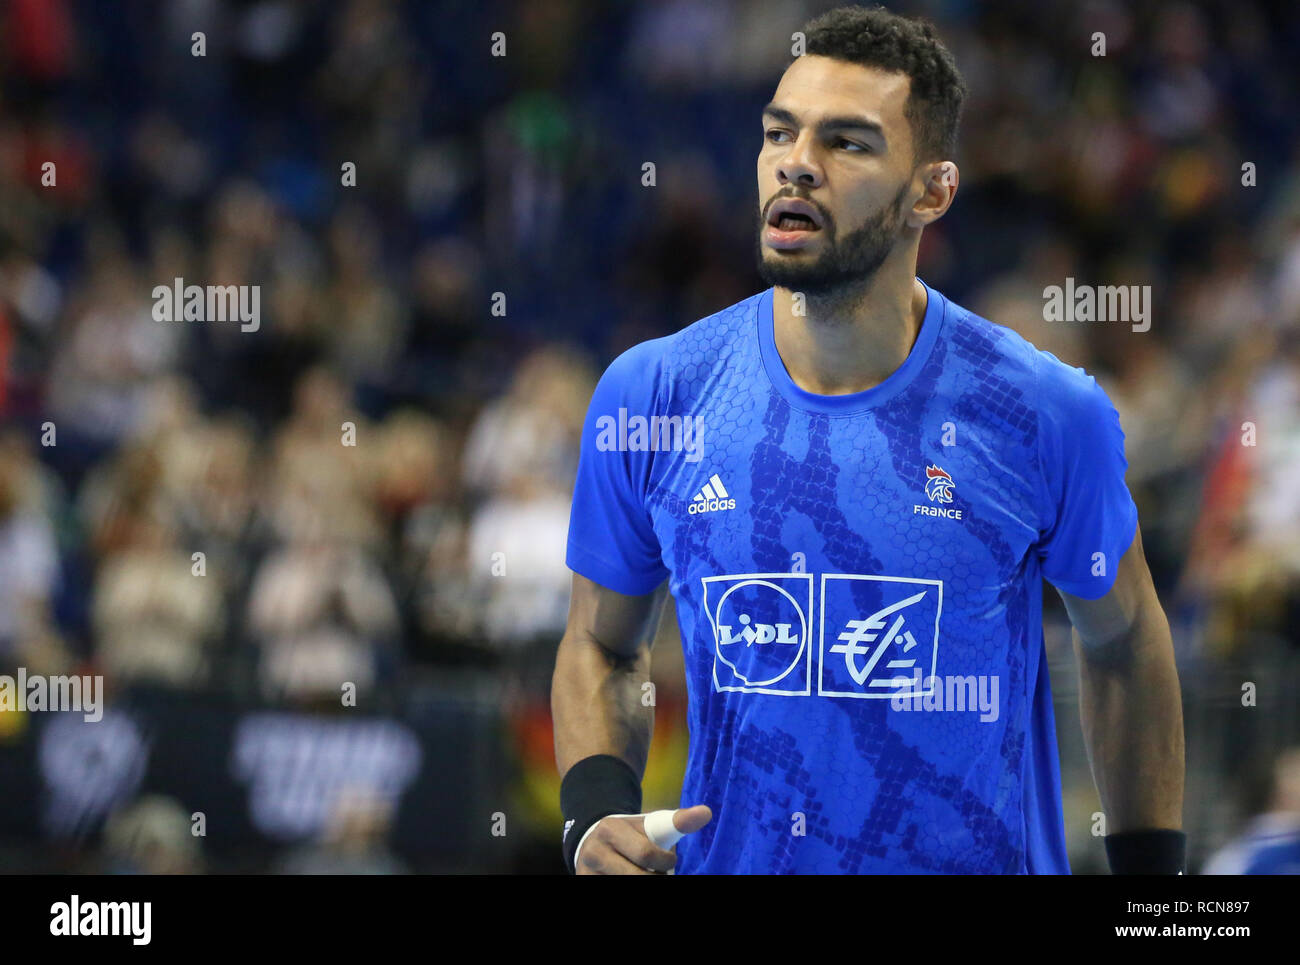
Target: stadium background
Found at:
x=425, y=563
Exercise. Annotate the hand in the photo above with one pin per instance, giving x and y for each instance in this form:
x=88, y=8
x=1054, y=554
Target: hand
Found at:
x=619, y=845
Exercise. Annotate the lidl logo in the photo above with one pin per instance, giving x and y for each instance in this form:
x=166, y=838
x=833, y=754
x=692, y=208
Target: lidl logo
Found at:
x=761, y=631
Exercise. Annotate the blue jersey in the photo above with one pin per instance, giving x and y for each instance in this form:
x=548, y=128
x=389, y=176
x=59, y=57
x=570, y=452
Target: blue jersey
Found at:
x=858, y=582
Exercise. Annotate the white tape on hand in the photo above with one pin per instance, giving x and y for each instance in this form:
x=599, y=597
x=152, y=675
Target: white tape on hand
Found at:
x=661, y=831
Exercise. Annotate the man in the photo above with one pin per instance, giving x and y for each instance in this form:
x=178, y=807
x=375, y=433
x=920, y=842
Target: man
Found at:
x=863, y=488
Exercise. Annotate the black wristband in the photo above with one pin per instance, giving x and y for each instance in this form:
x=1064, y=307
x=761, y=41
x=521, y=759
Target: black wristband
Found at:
x=594, y=788
x=1147, y=852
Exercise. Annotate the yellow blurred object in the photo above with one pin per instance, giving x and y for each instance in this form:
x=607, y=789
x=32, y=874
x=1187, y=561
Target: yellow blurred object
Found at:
x=12, y=723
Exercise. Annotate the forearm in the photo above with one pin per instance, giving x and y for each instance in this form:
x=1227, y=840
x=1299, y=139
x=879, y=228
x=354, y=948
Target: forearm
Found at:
x=1132, y=719
x=597, y=706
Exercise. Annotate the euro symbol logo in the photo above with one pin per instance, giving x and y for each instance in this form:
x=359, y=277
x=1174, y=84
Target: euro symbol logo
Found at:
x=866, y=631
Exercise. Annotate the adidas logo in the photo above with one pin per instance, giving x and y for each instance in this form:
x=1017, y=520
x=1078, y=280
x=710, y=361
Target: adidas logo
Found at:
x=712, y=498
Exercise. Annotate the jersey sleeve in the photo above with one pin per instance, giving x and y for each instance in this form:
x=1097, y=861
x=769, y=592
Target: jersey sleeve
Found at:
x=611, y=539
x=1087, y=507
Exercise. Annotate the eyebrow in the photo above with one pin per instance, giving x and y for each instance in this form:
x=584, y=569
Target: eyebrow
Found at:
x=839, y=123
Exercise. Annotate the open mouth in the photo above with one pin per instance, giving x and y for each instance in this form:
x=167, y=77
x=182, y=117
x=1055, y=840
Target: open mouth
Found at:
x=793, y=215
x=794, y=222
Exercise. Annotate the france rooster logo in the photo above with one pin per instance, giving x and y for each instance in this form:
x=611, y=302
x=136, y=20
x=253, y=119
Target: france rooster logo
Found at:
x=938, y=485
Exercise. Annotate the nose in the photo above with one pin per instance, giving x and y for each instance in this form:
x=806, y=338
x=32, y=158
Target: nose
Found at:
x=799, y=166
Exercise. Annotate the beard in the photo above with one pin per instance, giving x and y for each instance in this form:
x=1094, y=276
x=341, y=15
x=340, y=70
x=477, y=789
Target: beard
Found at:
x=843, y=264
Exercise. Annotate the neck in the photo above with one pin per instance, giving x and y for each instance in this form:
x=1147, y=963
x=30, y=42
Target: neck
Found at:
x=849, y=340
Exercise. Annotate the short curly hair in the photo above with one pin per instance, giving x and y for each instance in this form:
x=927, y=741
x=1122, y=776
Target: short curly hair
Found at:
x=875, y=37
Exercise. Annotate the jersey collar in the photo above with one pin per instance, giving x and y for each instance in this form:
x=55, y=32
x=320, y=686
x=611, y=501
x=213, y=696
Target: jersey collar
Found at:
x=935, y=311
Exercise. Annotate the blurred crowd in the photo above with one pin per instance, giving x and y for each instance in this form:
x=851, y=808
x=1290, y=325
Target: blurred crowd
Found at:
x=375, y=483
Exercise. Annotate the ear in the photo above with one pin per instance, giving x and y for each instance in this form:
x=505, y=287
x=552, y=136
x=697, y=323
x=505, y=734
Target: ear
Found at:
x=938, y=183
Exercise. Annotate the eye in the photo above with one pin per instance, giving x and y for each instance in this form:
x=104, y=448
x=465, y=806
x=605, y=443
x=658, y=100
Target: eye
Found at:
x=775, y=134
x=851, y=146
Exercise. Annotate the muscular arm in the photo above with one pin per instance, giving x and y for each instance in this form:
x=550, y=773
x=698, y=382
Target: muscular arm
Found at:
x=1129, y=699
x=600, y=669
